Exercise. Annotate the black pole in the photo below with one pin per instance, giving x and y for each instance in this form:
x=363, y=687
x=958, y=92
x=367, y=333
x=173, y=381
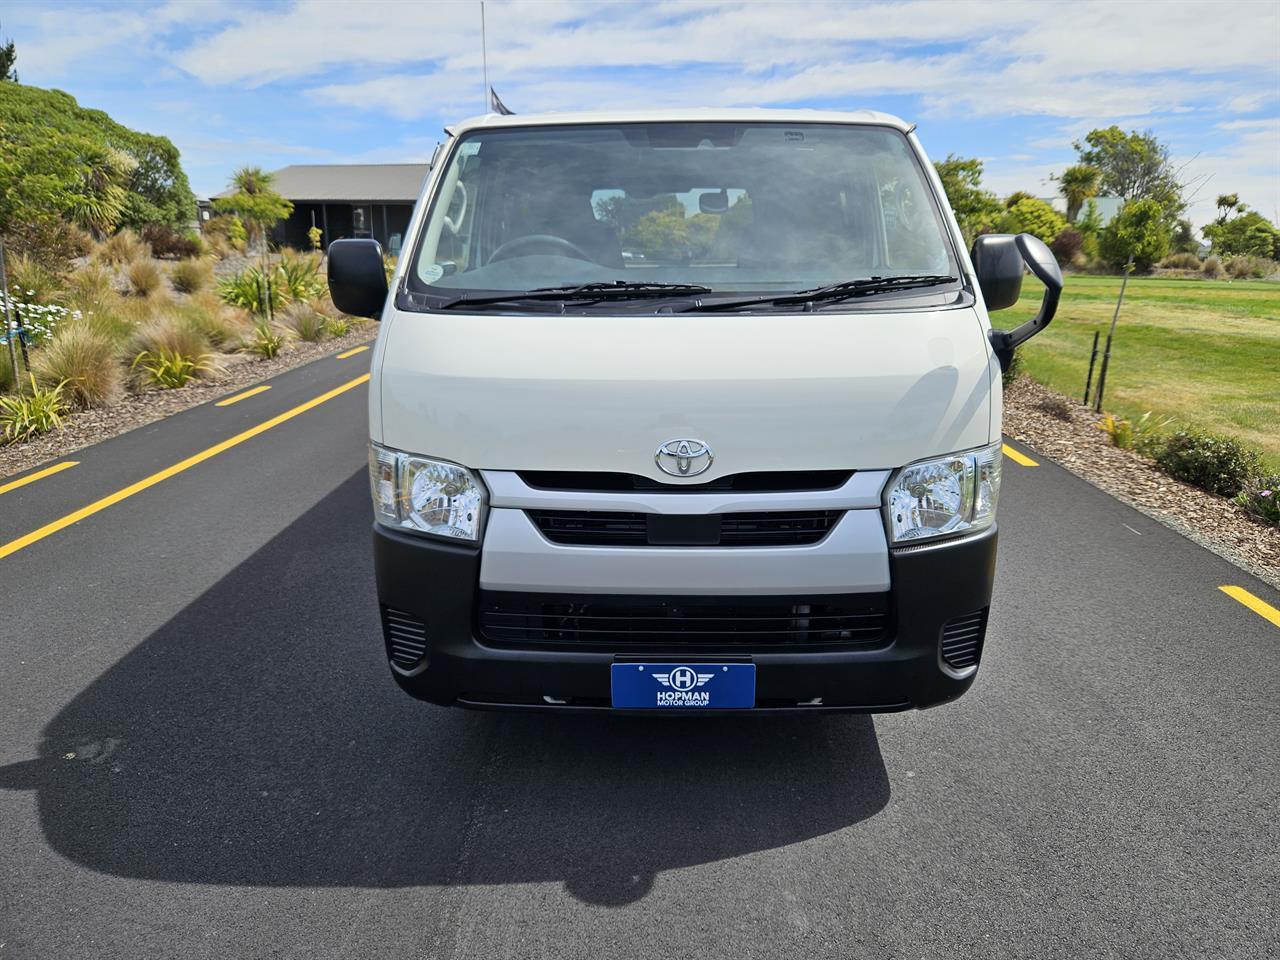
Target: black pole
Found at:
x=1092, y=359
x=1106, y=356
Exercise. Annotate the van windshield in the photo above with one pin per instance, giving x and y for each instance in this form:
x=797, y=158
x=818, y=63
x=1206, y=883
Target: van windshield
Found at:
x=731, y=207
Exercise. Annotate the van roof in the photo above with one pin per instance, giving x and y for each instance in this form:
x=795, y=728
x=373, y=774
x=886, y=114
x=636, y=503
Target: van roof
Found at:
x=700, y=114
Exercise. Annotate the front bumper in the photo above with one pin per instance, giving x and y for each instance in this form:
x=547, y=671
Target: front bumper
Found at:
x=432, y=586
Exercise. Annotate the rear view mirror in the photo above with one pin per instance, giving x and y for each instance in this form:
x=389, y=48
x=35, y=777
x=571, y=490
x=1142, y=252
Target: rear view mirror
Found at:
x=714, y=202
x=998, y=261
x=357, y=280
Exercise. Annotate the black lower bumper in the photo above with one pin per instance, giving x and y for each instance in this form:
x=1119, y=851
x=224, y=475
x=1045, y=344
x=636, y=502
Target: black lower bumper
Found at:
x=428, y=591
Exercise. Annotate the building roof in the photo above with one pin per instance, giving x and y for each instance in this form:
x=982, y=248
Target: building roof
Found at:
x=703, y=114
x=348, y=182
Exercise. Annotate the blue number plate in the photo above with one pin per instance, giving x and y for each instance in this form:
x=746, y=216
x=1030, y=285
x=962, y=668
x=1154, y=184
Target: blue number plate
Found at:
x=679, y=686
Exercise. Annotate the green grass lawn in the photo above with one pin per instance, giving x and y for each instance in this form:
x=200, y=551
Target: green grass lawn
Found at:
x=1205, y=352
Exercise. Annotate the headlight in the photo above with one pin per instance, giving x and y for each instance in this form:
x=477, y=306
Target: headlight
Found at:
x=429, y=496
x=945, y=496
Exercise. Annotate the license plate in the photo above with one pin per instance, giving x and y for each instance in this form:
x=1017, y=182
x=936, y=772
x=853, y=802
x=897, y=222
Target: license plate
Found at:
x=681, y=686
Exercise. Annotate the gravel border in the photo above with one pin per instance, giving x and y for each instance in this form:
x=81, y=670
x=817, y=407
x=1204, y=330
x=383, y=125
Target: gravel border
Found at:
x=238, y=370
x=1065, y=431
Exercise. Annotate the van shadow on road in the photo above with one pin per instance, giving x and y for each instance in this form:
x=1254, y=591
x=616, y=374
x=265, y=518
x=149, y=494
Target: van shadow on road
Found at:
x=257, y=739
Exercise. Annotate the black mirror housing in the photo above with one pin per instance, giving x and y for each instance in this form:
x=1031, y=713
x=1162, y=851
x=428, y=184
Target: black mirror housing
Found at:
x=357, y=279
x=999, y=267
x=998, y=261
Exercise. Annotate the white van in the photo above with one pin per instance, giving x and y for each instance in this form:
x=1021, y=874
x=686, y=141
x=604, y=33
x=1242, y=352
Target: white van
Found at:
x=686, y=410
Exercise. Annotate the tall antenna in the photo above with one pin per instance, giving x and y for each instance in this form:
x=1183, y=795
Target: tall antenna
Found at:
x=484, y=56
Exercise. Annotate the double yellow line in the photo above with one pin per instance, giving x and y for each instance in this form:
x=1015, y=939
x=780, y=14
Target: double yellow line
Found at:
x=13, y=546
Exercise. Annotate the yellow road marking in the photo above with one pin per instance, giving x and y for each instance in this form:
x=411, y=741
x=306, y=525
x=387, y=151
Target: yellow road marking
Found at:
x=242, y=396
x=13, y=546
x=352, y=352
x=1263, y=609
x=1017, y=457
x=38, y=475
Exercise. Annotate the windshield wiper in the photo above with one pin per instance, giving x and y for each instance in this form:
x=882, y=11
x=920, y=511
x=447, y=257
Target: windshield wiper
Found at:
x=845, y=290
x=599, y=290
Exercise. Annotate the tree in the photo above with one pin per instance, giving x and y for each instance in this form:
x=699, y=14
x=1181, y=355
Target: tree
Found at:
x=976, y=209
x=53, y=166
x=1077, y=184
x=1228, y=203
x=100, y=203
x=1029, y=215
x=1249, y=234
x=255, y=203
x=8, y=57
x=1017, y=197
x=1139, y=230
x=1133, y=166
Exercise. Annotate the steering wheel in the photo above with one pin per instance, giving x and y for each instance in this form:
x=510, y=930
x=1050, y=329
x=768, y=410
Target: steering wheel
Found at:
x=904, y=196
x=538, y=242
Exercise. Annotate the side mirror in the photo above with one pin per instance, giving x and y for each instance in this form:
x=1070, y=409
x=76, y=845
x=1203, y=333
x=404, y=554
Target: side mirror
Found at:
x=998, y=260
x=357, y=280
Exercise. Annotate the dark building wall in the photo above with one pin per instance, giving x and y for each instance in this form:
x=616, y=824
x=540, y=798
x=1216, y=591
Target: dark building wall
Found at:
x=381, y=221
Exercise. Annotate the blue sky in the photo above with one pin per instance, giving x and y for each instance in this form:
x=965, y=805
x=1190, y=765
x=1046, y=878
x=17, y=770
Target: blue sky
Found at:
x=1013, y=83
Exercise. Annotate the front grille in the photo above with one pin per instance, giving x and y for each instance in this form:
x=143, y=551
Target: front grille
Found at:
x=614, y=529
x=761, y=481
x=406, y=637
x=618, y=622
x=962, y=639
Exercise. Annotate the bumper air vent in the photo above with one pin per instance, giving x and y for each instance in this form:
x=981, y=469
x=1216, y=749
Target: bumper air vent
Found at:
x=406, y=637
x=962, y=639
x=680, y=624
x=612, y=529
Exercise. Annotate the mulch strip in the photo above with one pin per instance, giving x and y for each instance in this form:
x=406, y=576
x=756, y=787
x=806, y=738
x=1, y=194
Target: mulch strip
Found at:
x=87, y=427
x=1065, y=431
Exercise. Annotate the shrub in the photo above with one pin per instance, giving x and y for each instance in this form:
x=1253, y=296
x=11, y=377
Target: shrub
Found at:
x=338, y=326
x=85, y=360
x=309, y=324
x=31, y=414
x=1213, y=268
x=1244, y=267
x=124, y=247
x=1120, y=431
x=1181, y=261
x=167, y=346
x=249, y=289
x=32, y=281
x=266, y=341
x=1149, y=434
x=190, y=276
x=1139, y=229
x=229, y=230
x=168, y=370
x=145, y=277
x=90, y=286
x=168, y=243
x=298, y=276
x=1029, y=215
x=1067, y=244
x=223, y=327
x=1260, y=498
x=1221, y=465
x=50, y=240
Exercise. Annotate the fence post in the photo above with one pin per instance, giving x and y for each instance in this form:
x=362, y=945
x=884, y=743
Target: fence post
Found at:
x=1088, y=381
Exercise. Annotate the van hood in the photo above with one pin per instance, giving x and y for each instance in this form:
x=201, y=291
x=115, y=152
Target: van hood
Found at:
x=805, y=391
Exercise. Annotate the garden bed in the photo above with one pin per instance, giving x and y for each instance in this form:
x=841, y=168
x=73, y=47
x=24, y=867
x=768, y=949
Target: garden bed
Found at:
x=84, y=428
x=1065, y=431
